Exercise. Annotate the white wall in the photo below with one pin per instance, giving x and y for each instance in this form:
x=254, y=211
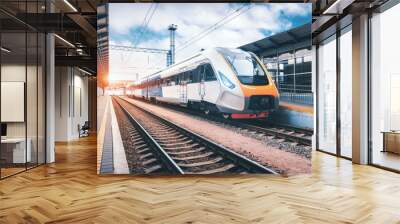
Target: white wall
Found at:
x=33, y=126
x=12, y=73
x=62, y=80
x=71, y=93
x=79, y=115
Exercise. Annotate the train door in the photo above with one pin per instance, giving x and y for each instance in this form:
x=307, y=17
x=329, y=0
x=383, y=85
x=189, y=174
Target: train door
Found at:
x=183, y=88
x=202, y=88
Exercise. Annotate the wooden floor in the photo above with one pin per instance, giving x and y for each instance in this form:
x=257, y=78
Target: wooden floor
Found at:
x=70, y=191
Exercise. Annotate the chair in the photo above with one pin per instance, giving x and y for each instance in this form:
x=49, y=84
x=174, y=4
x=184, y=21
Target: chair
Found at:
x=84, y=130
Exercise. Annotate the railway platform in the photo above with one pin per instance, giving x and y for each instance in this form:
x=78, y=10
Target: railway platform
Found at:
x=293, y=114
x=110, y=150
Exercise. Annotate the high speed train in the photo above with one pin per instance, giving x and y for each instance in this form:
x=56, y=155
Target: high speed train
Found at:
x=231, y=82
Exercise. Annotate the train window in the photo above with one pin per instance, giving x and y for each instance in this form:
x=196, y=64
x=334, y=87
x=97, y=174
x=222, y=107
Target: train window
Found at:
x=196, y=75
x=209, y=73
x=191, y=74
x=181, y=78
x=187, y=76
x=200, y=73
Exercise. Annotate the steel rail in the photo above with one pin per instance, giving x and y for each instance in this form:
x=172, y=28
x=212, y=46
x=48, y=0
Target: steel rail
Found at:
x=249, y=165
x=163, y=156
x=251, y=127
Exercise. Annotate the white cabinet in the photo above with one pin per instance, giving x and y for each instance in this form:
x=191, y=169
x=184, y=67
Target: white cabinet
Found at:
x=18, y=149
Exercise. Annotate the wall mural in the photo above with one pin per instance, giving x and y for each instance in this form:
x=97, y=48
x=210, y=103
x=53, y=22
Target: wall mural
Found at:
x=195, y=88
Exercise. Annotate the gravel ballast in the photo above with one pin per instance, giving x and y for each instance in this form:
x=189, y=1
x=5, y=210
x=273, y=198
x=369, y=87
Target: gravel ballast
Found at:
x=284, y=157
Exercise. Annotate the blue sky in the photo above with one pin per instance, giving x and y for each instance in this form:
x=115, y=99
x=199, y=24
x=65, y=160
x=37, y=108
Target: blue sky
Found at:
x=237, y=24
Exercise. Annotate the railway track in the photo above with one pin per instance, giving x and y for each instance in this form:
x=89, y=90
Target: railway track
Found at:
x=144, y=154
x=184, y=151
x=291, y=134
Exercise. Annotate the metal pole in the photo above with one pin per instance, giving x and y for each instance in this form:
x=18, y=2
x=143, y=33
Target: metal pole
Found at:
x=172, y=28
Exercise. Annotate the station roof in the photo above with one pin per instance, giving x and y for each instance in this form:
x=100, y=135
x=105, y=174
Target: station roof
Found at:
x=293, y=36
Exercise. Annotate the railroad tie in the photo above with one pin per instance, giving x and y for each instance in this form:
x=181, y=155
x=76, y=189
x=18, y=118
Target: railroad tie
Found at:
x=145, y=156
x=208, y=162
x=149, y=161
x=143, y=150
x=152, y=169
x=172, y=141
x=178, y=143
x=179, y=137
x=193, y=157
x=135, y=139
x=181, y=147
x=187, y=152
x=140, y=146
x=217, y=170
x=163, y=135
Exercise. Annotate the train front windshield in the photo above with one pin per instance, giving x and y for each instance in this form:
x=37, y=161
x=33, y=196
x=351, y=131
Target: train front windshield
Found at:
x=247, y=68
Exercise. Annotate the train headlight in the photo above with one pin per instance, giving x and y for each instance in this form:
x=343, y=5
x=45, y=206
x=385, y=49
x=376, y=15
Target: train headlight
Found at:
x=226, y=81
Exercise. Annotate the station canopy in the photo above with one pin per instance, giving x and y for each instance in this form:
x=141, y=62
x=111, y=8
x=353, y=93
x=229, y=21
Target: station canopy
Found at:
x=296, y=35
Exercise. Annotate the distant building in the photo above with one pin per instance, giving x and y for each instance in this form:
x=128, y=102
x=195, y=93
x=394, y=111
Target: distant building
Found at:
x=287, y=56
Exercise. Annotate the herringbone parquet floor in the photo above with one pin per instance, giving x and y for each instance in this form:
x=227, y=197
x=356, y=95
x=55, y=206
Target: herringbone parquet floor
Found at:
x=70, y=191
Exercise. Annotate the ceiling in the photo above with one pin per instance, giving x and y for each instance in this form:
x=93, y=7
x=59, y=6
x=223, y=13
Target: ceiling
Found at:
x=75, y=23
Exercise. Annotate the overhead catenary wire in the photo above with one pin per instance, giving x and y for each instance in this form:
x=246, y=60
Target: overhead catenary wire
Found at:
x=143, y=27
x=143, y=22
x=136, y=37
x=142, y=31
x=226, y=19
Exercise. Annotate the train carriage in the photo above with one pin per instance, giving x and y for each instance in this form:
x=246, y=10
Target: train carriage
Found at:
x=232, y=82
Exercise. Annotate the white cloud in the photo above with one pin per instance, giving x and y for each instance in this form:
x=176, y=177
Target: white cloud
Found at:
x=192, y=19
